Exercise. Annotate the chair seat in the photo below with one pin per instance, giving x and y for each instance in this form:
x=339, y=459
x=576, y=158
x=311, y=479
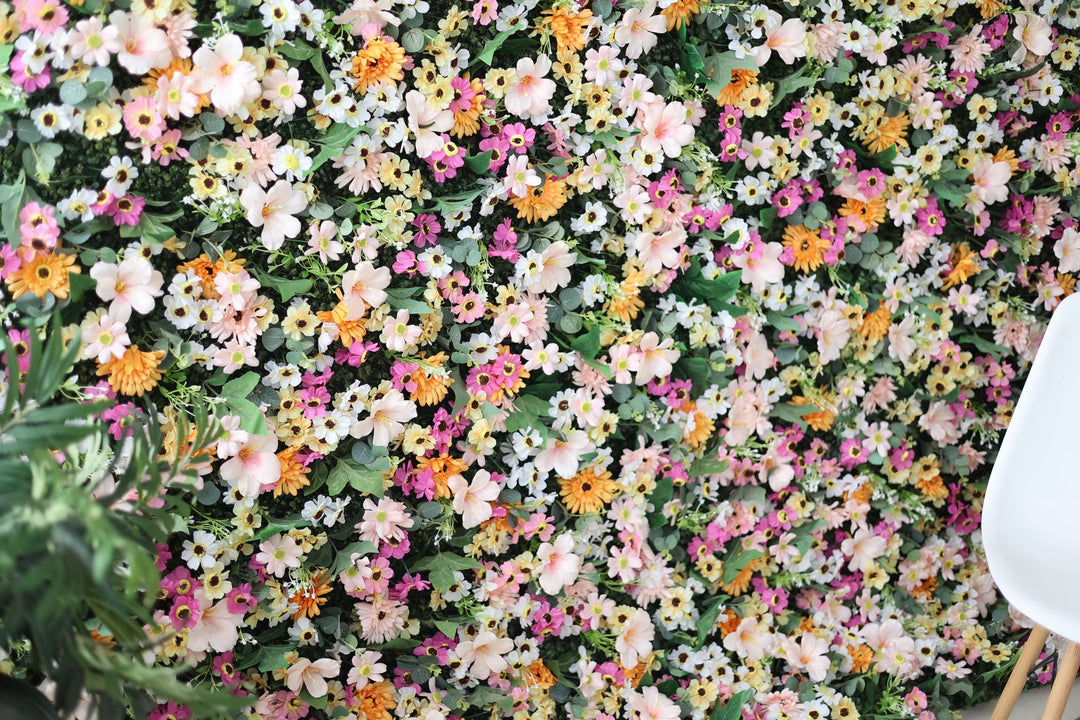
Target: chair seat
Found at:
x=1031, y=515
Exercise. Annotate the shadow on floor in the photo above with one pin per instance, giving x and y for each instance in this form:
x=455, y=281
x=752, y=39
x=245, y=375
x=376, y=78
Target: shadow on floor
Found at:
x=1028, y=707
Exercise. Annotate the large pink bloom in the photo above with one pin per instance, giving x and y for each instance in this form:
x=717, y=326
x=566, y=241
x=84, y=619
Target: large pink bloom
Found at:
x=865, y=547
x=635, y=640
x=657, y=358
x=386, y=419
x=484, y=654
x=216, y=628
x=990, y=180
x=311, y=675
x=531, y=93
x=559, y=565
x=664, y=127
x=364, y=288
x=131, y=285
x=563, y=456
x=638, y=29
x=787, y=38
x=255, y=465
x=649, y=704
x=473, y=500
x=426, y=123
x=142, y=46
x=231, y=82
x=273, y=211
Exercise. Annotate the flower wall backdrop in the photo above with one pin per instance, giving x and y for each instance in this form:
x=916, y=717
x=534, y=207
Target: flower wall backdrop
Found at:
x=570, y=359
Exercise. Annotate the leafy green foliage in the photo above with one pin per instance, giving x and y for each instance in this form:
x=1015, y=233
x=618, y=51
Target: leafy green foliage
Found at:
x=79, y=515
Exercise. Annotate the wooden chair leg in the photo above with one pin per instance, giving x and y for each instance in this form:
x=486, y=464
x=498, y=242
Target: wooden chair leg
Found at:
x=1063, y=682
x=1018, y=678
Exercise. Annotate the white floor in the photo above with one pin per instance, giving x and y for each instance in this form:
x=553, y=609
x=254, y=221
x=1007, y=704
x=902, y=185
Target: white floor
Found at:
x=1029, y=706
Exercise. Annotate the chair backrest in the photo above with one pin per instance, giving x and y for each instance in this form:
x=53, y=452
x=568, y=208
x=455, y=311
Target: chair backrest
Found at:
x=1031, y=515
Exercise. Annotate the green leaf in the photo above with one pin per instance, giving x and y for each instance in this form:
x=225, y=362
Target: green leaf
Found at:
x=716, y=293
x=300, y=50
x=661, y=496
x=17, y=197
x=792, y=413
x=344, y=555
x=487, y=55
x=790, y=84
x=589, y=343
x=707, y=622
x=701, y=467
x=359, y=478
x=780, y=322
x=72, y=92
x=333, y=142
x=241, y=386
x=718, y=68
x=732, y=709
x=447, y=628
x=441, y=567
x=735, y=564
x=479, y=163
x=212, y=122
x=286, y=288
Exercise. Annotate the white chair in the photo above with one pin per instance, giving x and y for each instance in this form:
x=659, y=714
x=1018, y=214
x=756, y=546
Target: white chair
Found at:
x=1031, y=514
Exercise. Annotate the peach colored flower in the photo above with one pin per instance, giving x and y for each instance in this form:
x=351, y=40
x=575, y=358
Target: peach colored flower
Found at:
x=311, y=675
x=472, y=500
x=230, y=81
x=364, y=287
x=484, y=654
x=665, y=127
x=255, y=465
x=531, y=91
x=273, y=211
x=559, y=565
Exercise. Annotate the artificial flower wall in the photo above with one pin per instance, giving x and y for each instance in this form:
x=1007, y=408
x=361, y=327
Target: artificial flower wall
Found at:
x=593, y=360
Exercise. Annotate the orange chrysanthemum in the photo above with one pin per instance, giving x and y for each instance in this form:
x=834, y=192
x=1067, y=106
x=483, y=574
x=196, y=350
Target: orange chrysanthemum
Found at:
x=887, y=131
x=46, y=273
x=467, y=122
x=588, y=491
x=820, y=420
x=443, y=466
x=808, y=247
x=626, y=302
x=679, y=13
x=380, y=59
x=538, y=674
x=731, y=94
x=728, y=622
x=134, y=373
x=933, y=488
x=431, y=385
x=568, y=28
x=876, y=325
x=374, y=701
x=349, y=331
x=703, y=426
x=293, y=473
x=207, y=270
x=925, y=589
x=871, y=213
x=963, y=266
x=741, y=583
x=1008, y=155
x=311, y=596
x=542, y=201
x=861, y=658
x=1067, y=283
